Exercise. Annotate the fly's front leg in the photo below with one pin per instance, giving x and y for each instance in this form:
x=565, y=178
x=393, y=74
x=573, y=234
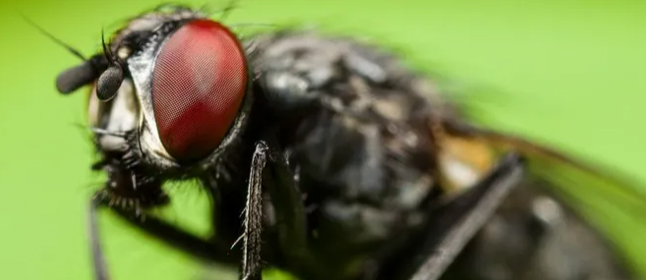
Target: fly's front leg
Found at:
x=269, y=168
x=98, y=261
x=289, y=210
x=252, y=223
x=130, y=203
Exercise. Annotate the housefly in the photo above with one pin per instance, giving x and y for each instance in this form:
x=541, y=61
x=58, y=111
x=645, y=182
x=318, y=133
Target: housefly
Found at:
x=324, y=156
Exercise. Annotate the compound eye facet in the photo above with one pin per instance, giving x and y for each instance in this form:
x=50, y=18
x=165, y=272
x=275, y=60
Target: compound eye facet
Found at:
x=199, y=82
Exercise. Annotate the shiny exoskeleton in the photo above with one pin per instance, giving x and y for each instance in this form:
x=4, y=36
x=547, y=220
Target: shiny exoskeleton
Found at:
x=338, y=156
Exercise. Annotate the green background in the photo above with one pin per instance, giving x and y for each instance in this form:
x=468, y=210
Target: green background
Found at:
x=567, y=72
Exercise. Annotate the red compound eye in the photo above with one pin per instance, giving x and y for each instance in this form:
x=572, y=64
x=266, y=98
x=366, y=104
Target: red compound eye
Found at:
x=198, y=85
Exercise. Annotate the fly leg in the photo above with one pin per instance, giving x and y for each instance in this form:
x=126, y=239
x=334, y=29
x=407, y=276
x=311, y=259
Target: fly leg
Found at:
x=471, y=211
x=270, y=166
x=158, y=228
x=286, y=199
x=100, y=268
x=453, y=224
x=120, y=196
x=290, y=213
x=252, y=223
x=167, y=233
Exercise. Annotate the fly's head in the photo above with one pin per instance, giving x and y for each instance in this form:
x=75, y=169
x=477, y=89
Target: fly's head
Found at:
x=169, y=98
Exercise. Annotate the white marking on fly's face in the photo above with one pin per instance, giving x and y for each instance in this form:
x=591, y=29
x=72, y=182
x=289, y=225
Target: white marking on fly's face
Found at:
x=94, y=109
x=141, y=69
x=151, y=143
x=123, y=117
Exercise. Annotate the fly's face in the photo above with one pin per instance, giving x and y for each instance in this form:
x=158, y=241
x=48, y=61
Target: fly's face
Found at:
x=169, y=98
x=178, y=84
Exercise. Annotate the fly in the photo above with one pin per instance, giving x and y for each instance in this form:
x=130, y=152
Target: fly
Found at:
x=400, y=186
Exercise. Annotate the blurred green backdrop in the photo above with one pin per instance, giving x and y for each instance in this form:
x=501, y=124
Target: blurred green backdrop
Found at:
x=570, y=73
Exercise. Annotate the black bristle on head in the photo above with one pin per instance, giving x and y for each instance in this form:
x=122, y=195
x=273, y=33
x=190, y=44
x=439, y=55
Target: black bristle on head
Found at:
x=110, y=80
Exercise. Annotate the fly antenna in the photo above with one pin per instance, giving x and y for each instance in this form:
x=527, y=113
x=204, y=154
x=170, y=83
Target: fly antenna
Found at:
x=53, y=38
